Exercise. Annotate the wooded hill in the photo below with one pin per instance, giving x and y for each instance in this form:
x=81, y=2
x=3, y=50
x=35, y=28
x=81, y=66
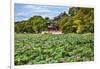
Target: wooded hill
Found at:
x=78, y=20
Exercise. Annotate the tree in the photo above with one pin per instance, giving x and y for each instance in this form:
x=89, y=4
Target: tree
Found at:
x=78, y=20
x=34, y=25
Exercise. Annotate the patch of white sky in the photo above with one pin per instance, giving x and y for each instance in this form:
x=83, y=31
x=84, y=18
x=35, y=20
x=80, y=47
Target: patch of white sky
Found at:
x=25, y=11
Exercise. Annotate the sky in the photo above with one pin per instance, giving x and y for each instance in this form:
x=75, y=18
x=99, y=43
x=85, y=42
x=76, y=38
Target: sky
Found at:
x=25, y=11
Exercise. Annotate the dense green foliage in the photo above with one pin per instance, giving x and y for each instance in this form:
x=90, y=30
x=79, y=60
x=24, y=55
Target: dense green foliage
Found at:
x=78, y=20
x=48, y=48
x=34, y=25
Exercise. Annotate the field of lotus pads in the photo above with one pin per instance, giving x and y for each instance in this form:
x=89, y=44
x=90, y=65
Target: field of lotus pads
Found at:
x=50, y=48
